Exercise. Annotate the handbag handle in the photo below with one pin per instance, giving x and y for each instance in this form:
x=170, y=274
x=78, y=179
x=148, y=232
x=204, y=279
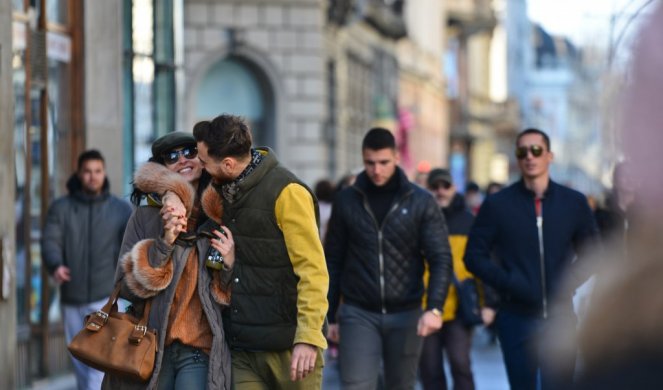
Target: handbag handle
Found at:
x=98, y=319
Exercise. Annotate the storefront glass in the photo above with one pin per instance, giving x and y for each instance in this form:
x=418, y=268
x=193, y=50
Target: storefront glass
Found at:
x=149, y=76
x=56, y=10
x=20, y=148
x=43, y=84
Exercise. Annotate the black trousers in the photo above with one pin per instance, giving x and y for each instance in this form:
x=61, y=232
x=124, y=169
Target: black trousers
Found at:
x=455, y=340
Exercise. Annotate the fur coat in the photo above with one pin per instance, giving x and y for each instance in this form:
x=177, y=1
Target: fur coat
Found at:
x=150, y=268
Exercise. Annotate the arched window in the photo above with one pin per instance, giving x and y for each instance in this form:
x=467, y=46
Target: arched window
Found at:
x=236, y=86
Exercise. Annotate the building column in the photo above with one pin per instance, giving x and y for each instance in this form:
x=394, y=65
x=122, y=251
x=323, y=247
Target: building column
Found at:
x=7, y=217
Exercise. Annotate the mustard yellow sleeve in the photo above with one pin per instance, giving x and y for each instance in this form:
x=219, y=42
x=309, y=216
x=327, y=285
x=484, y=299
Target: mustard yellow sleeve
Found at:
x=295, y=215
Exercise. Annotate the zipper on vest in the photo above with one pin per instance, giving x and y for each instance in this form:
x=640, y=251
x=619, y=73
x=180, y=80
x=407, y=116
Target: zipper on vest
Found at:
x=538, y=204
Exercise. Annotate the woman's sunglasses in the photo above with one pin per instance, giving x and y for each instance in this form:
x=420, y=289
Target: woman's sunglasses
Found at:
x=189, y=152
x=521, y=151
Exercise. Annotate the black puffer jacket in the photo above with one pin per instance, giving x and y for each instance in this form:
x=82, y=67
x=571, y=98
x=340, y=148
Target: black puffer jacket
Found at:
x=381, y=269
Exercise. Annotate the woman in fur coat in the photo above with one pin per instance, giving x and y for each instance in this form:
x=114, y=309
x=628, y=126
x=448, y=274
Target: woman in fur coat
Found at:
x=163, y=258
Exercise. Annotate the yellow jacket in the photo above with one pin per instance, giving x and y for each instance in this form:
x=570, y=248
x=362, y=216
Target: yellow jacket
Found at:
x=457, y=243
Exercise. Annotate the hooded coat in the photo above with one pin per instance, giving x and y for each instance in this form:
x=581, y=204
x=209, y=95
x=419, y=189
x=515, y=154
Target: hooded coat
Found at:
x=84, y=232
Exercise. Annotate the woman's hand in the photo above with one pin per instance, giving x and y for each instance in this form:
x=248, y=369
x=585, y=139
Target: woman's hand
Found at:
x=173, y=225
x=225, y=245
x=173, y=214
x=173, y=204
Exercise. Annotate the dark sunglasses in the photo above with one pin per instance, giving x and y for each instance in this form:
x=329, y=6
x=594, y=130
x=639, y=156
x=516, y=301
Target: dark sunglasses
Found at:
x=189, y=152
x=521, y=151
x=441, y=184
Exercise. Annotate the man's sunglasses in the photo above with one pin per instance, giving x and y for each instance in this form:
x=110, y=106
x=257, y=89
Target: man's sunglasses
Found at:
x=521, y=151
x=189, y=152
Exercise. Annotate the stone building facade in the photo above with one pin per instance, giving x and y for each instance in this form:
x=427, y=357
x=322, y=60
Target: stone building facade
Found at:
x=263, y=60
x=311, y=77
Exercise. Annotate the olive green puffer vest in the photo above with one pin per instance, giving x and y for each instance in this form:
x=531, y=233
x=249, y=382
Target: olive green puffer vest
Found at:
x=263, y=311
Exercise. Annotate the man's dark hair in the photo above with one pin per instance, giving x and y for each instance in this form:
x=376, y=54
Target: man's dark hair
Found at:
x=378, y=138
x=225, y=136
x=92, y=154
x=532, y=130
x=472, y=186
x=324, y=190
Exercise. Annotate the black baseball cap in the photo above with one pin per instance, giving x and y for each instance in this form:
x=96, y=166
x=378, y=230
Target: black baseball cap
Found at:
x=439, y=174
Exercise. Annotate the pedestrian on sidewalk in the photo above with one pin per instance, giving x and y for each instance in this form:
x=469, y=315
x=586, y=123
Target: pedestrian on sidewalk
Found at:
x=80, y=245
x=280, y=281
x=455, y=337
x=382, y=232
x=164, y=258
x=536, y=229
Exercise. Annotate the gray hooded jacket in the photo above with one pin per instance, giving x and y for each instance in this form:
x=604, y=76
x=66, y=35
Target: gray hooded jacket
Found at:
x=84, y=233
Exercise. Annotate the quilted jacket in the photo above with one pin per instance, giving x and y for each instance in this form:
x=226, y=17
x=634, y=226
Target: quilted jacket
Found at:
x=380, y=268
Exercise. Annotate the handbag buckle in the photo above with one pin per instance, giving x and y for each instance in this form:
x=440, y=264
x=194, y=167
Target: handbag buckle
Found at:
x=96, y=321
x=137, y=334
x=102, y=315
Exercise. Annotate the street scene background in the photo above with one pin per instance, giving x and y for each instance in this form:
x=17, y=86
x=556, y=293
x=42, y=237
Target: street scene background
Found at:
x=454, y=81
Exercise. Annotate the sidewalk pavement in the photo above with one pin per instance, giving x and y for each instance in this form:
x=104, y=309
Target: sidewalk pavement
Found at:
x=487, y=365
x=489, y=372
x=62, y=382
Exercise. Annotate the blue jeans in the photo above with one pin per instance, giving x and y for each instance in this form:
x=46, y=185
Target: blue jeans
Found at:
x=519, y=338
x=367, y=338
x=183, y=367
x=73, y=316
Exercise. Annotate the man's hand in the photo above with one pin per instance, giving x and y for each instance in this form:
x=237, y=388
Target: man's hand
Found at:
x=428, y=323
x=62, y=274
x=333, y=333
x=225, y=245
x=303, y=361
x=487, y=315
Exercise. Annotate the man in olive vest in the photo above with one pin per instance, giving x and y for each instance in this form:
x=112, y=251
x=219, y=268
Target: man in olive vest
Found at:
x=280, y=279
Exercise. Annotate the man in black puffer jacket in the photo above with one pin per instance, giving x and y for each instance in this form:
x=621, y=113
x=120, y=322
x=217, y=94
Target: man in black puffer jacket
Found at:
x=382, y=231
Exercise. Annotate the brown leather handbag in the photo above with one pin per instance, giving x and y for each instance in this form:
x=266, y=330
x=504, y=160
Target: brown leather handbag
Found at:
x=117, y=343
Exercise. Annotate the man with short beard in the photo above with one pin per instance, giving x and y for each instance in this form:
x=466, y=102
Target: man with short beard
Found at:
x=455, y=338
x=280, y=280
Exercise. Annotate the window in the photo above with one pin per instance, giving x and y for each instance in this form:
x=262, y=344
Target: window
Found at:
x=47, y=126
x=44, y=88
x=359, y=98
x=149, y=77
